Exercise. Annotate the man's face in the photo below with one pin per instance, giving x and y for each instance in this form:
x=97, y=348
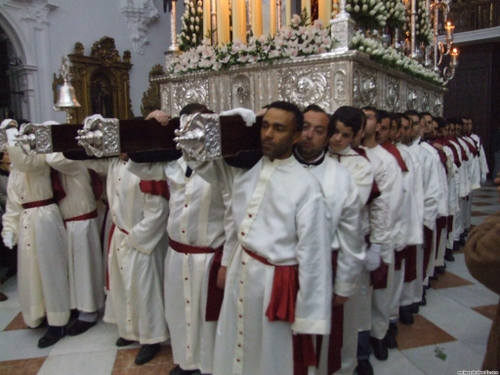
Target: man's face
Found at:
x=443, y=132
x=423, y=122
x=394, y=133
x=385, y=128
x=372, y=127
x=469, y=126
x=314, y=136
x=406, y=131
x=415, y=126
x=451, y=130
x=458, y=129
x=278, y=134
x=428, y=123
x=341, y=138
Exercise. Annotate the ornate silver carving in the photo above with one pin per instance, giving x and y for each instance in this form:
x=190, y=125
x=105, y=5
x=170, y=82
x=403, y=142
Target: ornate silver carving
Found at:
x=193, y=91
x=426, y=107
x=199, y=137
x=241, y=93
x=411, y=100
x=3, y=140
x=165, y=98
x=392, y=94
x=100, y=136
x=342, y=29
x=365, y=88
x=139, y=14
x=35, y=139
x=340, y=93
x=305, y=86
x=438, y=106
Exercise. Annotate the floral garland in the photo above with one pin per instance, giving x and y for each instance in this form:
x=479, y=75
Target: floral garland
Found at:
x=369, y=14
x=423, y=26
x=192, y=25
x=298, y=39
x=393, y=58
x=396, y=16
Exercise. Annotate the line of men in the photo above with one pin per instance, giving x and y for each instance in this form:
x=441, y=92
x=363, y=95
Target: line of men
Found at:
x=306, y=260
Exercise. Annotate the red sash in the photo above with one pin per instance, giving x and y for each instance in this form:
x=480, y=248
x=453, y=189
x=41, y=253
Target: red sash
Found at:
x=215, y=294
x=389, y=146
x=87, y=216
x=282, y=307
x=35, y=204
x=155, y=188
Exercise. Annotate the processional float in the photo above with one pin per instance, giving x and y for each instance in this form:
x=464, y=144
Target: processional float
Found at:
x=366, y=66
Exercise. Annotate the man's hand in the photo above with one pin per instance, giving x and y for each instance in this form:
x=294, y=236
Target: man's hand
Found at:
x=339, y=300
x=8, y=240
x=159, y=116
x=221, y=277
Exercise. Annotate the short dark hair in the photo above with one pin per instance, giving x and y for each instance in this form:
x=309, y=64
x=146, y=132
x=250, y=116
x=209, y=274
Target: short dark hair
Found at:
x=374, y=110
x=422, y=114
x=191, y=108
x=298, y=116
x=412, y=112
x=352, y=117
x=384, y=114
x=441, y=122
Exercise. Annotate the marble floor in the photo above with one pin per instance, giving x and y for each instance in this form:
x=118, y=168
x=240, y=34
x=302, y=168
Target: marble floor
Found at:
x=449, y=334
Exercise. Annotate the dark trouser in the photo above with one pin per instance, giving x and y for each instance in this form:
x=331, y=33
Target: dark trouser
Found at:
x=364, y=347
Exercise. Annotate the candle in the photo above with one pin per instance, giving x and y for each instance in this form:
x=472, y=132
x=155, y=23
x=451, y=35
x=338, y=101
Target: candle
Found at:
x=449, y=31
x=239, y=17
x=206, y=19
x=454, y=57
x=222, y=21
x=325, y=11
x=288, y=12
x=256, y=20
x=306, y=4
x=272, y=17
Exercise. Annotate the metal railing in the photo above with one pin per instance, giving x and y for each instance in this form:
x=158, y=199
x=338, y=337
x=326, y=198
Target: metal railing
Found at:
x=469, y=15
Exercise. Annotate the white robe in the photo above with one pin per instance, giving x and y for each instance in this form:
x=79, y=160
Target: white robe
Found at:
x=278, y=211
x=196, y=218
x=84, y=243
x=135, y=260
x=41, y=239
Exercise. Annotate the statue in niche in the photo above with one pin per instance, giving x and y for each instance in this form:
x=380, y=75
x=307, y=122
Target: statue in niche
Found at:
x=101, y=97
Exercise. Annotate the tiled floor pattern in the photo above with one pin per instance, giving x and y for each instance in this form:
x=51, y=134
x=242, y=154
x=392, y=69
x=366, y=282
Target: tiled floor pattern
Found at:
x=449, y=334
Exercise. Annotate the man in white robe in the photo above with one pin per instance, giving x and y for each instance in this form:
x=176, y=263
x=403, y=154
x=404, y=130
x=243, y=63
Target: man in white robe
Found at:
x=196, y=229
x=33, y=221
x=278, y=241
x=79, y=212
x=347, y=248
x=136, y=256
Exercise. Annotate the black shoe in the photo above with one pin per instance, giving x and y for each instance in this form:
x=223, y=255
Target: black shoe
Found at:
x=440, y=270
x=53, y=335
x=448, y=255
x=80, y=327
x=123, y=342
x=423, y=302
x=462, y=240
x=415, y=308
x=379, y=349
x=390, y=340
x=405, y=315
x=3, y=297
x=434, y=276
x=364, y=367
x=393, y=329
x=74, y=314
x=147, y=353
x=178, y=371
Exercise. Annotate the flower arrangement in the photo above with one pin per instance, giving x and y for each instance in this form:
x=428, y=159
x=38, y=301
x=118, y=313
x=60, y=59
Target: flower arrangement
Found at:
x=422, y=23
x=192, y=25
x=369, y=14
x=396, y=16
x=301, y=38
x=393, y=58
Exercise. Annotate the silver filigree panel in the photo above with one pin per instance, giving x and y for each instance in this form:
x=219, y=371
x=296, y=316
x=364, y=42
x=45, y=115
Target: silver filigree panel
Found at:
x=199, y=137
x=392, y=94
x=411, y=99
x=165, y=98
x=425, y=105
x=190, y=91
x=305, y=86
x=364, y=87
x=3, y=140
x=241, y=91
x=340, y=88
x=43, y=135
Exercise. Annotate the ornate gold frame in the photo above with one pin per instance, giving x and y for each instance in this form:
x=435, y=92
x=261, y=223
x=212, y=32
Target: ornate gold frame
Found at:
x=101, y=81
